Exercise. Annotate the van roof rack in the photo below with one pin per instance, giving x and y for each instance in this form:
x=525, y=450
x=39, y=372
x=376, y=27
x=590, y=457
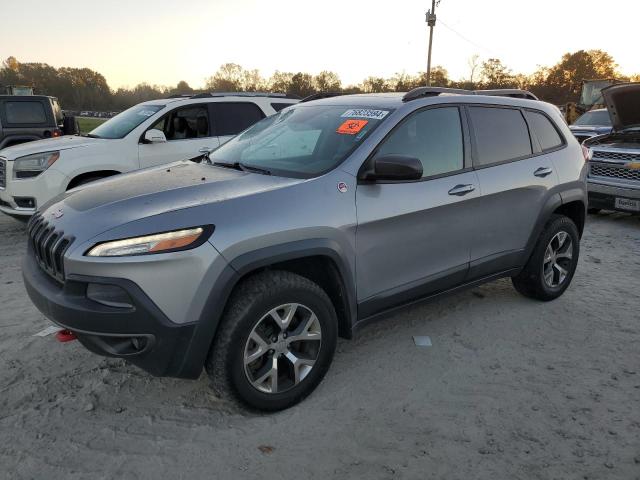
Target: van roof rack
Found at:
x=422, y=92
x=244, y=94
x=318, y=96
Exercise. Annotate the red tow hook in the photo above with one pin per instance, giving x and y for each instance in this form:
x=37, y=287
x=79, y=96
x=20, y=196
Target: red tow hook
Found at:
x=66, y=336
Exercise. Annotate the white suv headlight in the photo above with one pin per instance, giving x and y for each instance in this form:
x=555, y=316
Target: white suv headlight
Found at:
x=33, y=165
x=158, y=243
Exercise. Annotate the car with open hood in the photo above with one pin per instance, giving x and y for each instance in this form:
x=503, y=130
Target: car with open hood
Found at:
x=614, y=158
x=304, y=227
x=590, y=124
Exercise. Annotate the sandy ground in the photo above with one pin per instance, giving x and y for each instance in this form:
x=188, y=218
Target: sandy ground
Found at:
x=510, y=389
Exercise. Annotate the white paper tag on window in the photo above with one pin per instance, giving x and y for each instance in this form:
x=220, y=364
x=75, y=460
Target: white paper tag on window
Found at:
x=48, y=331
x=365, y=113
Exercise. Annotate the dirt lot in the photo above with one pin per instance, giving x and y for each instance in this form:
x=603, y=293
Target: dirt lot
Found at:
x=510, y=389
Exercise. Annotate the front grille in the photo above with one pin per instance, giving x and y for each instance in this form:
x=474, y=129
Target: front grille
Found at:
x=3, y=173
x=624, y=157
x=599, y=170
x=48, y=245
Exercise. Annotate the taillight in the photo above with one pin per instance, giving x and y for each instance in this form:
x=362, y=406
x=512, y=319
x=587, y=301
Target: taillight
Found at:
x=57, y=133
x=587, y=153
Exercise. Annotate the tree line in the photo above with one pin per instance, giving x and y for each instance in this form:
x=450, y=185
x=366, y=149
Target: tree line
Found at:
x=85, y=89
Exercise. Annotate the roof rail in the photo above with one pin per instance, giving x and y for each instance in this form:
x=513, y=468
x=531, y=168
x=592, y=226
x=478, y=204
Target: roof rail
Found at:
x=507, y=92
x=244, y=94
x=181, y=95
x=422, y=92
x=318, y=96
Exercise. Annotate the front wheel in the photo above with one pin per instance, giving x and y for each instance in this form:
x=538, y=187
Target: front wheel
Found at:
x=275, y=343
x=553, y=262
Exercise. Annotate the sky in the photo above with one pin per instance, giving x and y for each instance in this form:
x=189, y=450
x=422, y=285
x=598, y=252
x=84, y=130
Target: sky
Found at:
x=165, y=41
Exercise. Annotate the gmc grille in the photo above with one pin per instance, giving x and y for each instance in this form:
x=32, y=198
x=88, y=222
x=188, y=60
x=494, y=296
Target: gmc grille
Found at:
x=48, y=245
x=625, y=157
x=600, y=170
x=3, y=173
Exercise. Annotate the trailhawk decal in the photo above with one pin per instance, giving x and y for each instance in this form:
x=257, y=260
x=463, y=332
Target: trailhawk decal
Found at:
x=366, y=113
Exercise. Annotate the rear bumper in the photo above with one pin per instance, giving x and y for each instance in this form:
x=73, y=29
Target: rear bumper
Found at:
x=604, y=195
x=142, y=334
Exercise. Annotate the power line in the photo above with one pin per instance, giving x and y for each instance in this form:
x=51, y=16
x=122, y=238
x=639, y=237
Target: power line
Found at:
x=466, y=39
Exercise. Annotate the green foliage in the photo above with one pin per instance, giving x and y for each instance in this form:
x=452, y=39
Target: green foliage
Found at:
x=87, y=124
x=85, y=89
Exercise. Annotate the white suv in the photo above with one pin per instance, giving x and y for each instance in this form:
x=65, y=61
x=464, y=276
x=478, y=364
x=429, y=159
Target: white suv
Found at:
x=146, y=135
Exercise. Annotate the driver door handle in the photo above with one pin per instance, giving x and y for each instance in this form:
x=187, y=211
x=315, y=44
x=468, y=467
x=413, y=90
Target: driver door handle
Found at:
x=543, y=172
x=461, y=190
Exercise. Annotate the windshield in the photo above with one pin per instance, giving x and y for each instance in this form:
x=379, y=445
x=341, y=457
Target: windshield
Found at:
x=120, y=125
x=600, y=117
x=303, y=141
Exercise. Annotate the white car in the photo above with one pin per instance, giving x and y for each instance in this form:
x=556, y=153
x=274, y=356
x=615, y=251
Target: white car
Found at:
x=148, y=134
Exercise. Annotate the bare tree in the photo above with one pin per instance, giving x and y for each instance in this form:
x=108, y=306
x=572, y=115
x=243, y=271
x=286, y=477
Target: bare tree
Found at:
x=474, y=64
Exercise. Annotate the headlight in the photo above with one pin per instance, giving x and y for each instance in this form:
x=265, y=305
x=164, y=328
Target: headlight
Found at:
x=158, y=243
x=33, y=165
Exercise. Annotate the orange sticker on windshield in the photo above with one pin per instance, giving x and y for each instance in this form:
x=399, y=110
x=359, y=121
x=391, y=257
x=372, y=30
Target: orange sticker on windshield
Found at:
x=351, y=127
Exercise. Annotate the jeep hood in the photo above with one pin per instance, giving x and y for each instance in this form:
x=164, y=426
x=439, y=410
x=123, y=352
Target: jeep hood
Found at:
x=97, y=207
x=49, y=144
x=623, y=104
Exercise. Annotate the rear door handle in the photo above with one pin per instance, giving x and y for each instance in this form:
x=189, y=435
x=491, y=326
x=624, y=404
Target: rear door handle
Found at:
x=461, y=190
x=543, y=172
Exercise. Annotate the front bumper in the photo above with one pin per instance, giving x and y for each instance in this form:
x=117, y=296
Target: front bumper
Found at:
x=41, y=189
x=143, y=335
x=603, y=195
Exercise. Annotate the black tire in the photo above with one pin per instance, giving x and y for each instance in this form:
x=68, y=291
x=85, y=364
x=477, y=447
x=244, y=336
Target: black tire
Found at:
x=249, y=303
x=593, y=211
x=531, y=282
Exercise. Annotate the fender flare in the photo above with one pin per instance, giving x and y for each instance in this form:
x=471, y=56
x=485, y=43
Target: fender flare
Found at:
x=553, y=202
x=26, y=138
x=236, y=269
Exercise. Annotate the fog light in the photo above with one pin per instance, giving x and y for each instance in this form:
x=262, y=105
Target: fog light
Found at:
x=109, y=295
x=25, y=202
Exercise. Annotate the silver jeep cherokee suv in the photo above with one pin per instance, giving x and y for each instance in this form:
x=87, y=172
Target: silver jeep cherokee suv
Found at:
x=304, y=226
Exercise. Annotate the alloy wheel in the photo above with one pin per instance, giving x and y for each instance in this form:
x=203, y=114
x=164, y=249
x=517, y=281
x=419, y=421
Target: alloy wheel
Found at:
x=282, y=348
x=558, y=257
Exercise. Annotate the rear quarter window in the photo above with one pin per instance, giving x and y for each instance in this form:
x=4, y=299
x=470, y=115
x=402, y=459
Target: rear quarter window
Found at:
x=544, y=130
x=501, y=134
x=25, y=112
x=279, y=106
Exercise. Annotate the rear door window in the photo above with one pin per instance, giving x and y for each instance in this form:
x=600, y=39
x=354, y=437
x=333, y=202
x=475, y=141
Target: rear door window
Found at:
x=544, y=130
x=232, y=118
x=25, y=112
x=501, y=134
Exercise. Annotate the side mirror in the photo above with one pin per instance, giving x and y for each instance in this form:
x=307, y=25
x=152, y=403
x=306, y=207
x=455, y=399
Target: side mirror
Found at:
x=393, y=167
x=154, y=136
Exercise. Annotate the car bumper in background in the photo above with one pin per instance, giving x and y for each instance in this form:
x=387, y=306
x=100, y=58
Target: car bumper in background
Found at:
x=604, y=196
x=21, y=198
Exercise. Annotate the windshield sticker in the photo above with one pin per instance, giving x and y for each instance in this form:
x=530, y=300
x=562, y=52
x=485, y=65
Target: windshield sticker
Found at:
x=146, y=113
x=351, y=127
x=366, y=113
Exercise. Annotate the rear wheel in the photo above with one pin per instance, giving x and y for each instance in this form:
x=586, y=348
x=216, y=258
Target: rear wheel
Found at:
x=275, y=343
x=553, y=262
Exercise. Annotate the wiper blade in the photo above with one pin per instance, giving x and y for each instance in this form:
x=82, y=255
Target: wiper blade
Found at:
x=92, y=135
x=243, y=167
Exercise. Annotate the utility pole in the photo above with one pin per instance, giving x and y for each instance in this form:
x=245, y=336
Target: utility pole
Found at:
x=431, y=21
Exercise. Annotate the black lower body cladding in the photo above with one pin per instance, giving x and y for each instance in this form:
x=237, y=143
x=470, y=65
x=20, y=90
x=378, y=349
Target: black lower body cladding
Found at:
x=141, y=333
